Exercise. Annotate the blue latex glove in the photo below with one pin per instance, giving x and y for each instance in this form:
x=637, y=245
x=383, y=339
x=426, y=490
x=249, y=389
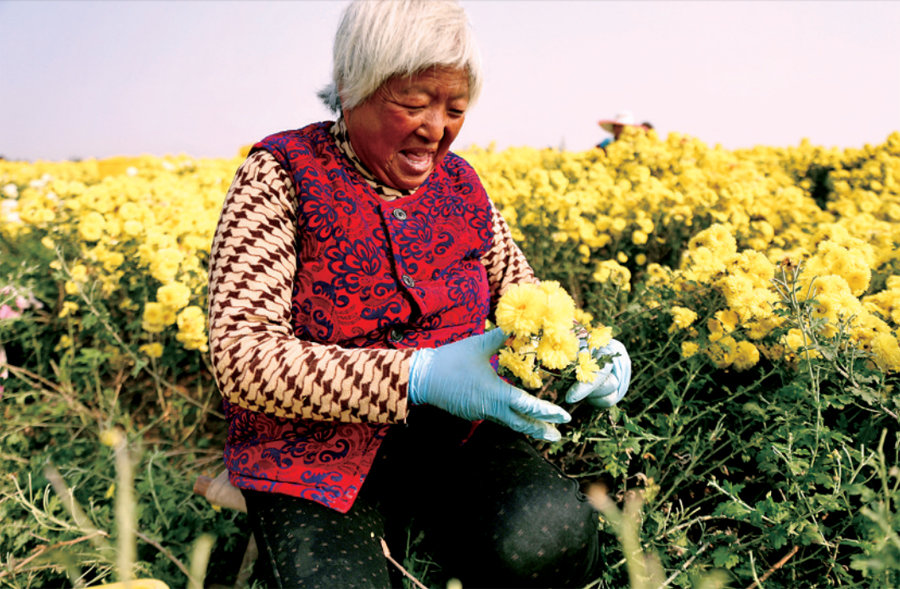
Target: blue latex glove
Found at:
x=611, y=382
x=459, y=379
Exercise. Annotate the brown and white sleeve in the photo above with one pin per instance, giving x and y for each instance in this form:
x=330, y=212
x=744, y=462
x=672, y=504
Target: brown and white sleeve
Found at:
x=505, y=263
x=258, y=362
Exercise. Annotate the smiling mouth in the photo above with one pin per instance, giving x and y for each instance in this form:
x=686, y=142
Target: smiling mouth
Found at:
x=418, y=161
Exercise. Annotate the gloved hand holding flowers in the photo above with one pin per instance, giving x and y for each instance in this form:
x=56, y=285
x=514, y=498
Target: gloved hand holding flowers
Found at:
x=553, y=348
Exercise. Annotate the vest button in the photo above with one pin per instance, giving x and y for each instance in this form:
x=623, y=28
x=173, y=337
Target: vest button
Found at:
x=395, y=335
x=408, y=280
x=399, y=214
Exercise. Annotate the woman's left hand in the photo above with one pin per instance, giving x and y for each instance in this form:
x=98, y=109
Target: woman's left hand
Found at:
x=610, y=384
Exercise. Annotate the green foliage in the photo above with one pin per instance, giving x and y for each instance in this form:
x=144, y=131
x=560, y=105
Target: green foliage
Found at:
x=787, y=473
x=789, y=477
x=71, y=381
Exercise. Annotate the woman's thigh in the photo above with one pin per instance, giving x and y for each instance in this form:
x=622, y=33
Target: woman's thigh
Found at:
x=305, y=544
x=494, y=513
x=505, y=516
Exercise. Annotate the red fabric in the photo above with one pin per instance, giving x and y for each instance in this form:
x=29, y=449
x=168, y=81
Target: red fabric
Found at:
x=370, y=273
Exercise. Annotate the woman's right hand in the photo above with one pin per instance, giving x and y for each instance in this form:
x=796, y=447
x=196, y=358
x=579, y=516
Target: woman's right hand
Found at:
x=459, y=379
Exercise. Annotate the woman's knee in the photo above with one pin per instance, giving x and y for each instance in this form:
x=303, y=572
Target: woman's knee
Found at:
x=548, y=537
x=541, y=535
x=516, y=517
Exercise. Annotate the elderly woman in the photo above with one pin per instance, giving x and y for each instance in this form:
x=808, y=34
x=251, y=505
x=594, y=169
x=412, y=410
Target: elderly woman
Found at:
x=352, y=272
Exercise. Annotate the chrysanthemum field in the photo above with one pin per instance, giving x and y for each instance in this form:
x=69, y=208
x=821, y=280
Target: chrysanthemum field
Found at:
x=757, y=291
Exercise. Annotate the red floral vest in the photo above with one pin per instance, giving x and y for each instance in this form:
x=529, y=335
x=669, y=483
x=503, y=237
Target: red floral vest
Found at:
x=370, y=273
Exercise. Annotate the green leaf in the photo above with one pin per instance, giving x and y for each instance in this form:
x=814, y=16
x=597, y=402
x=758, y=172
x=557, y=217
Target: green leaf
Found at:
x=725, y=558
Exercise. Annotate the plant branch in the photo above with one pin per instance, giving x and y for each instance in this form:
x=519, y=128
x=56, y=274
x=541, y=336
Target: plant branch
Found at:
x=39, y=550
x=684, y=566
x=165, y=552
x=387, y=555
x=774, y=568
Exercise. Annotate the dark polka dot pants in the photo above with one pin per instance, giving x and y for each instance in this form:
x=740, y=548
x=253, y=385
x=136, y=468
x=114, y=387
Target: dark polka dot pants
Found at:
x=492, y=511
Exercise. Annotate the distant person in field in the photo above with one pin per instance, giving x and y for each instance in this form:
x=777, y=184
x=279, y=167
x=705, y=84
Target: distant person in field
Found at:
x=617, y=125
x=352, y=272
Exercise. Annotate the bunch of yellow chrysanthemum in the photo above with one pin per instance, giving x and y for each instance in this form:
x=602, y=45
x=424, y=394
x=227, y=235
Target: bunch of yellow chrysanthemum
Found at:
x=549, y=338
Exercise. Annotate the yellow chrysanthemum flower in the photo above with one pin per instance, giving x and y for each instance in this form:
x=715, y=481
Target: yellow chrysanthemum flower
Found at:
x=558, y=350
x=559, y=308
x=521, y=365
x=152, y=350
x=599, y=336
x=728, y=319
x=583, y=317
x=796, y=343
x=164, y=264
x=90, y=228
x=746, y=356
x=174, y=295
x=521, y=309
x=587, y=368
x=718, y=238
x=851, y=265
x=192, y=328
x=132, y=228
x=156, y=317
x=689, y=349
x=886, y=351
x=613, y=272
x=533, y=380
x=682, y=317
x=715, y=328
x=722, y=352
x=79, y=273
x=834, y=302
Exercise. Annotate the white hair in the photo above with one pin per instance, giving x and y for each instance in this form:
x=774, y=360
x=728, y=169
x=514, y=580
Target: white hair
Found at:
x=379, y=39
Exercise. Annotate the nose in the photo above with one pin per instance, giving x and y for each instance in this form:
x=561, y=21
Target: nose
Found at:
x=434, y=125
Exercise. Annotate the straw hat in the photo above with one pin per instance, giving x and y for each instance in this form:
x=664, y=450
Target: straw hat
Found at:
x=623, y=118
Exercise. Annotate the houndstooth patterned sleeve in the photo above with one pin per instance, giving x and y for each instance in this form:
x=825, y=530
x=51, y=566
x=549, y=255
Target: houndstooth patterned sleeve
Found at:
x=505, y=263
x=258, y=362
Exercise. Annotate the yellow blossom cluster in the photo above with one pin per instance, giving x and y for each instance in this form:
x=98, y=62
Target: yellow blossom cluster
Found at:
x=832, y=280
x=677, y=214
x=134, y=231
x=545, y=330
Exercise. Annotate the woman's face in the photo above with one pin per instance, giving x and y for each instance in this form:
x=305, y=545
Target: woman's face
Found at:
x=403, y=130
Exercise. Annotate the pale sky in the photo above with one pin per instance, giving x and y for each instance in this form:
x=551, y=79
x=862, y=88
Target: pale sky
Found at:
x=205, y=77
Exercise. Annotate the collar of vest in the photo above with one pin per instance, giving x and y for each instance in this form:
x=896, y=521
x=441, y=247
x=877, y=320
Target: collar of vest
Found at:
x=342, y=140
